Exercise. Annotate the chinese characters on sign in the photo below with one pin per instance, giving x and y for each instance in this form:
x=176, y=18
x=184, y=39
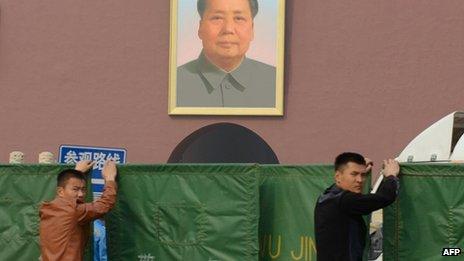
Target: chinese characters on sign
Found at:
x=70, y=154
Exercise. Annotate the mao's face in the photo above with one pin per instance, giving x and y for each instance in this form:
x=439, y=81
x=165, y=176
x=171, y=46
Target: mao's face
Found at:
x=226, y=29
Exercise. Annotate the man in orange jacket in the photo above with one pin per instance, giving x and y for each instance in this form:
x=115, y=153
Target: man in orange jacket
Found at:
x=65, y=221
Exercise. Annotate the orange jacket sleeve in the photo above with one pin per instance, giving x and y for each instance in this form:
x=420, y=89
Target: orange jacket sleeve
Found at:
x=91, y=211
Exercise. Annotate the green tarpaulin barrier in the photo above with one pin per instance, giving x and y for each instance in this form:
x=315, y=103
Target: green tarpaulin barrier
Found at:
x=185, y=212
x=288, y=196
x=158, y=213
x=234, y=212
x=428, y=215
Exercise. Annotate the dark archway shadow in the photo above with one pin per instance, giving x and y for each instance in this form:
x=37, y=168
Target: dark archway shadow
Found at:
x=223, y=143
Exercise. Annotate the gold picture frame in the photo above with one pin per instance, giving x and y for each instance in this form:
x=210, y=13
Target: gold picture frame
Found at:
x=176, y=106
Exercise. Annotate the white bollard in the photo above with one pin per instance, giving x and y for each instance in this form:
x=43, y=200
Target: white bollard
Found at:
x=46, y=157
x=16, y=157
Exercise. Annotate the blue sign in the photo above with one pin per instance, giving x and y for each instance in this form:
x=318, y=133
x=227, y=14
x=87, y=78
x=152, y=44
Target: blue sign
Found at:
x=71, y=154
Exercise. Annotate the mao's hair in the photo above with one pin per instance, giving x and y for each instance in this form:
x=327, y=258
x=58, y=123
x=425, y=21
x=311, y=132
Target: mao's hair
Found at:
x=201, y=7
x=346, y=157
x=67, y=174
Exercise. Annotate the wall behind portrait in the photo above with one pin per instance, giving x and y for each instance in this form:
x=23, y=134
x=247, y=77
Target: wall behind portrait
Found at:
x=360, y=75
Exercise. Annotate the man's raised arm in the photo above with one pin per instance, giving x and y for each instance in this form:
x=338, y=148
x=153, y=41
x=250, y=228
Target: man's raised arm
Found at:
x=91, y=211
x=363, y=204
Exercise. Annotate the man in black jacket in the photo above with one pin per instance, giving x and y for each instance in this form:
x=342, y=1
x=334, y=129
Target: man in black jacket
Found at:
x=339, y=226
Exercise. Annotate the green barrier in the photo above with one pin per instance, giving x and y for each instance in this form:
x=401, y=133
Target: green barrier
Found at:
x=185, y=212
x=161, y=212
x=142, y=228
x=234, y=212
x=428, y=215
x=288, y=195
x=22, y=190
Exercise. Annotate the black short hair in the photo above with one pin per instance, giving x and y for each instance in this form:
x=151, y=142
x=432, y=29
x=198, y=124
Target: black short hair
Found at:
x=201, y=7
x=66, y=174
x=346, y=157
